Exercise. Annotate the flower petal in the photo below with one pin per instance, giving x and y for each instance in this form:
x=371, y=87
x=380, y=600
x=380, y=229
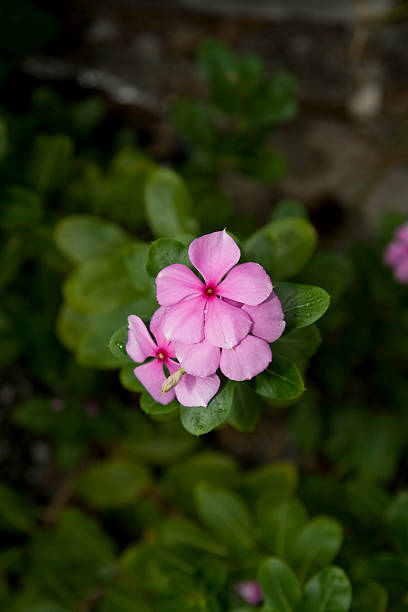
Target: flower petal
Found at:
x=401, y=272
x=195, y=391
x=185, y=321
x=402, y=233
x=247, y=283
x=176, y=282
x=140, y=344
x=247, y=359
x=268, y=318
x=156, y=329
x=395, y=252
x=213, y=255
x=201, y=359
x=152, y=377
x=225, y=325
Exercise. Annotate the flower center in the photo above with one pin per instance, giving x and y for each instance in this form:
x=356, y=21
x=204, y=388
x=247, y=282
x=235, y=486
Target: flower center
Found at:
x=209, y=291
x=161, y=354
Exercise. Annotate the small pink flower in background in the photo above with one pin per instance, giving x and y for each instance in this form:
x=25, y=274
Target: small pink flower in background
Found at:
x=396, y=254
x=250, y=591
x=190, y=391
x=195, y=311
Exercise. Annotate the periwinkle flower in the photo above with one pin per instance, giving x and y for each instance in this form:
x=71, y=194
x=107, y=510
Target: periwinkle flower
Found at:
x=189, y=390
x=396, y=254
x=227, y=321
x=196, y=311
x=250, y=591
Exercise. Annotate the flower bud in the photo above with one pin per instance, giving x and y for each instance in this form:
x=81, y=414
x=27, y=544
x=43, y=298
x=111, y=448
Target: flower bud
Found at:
x=172, y=380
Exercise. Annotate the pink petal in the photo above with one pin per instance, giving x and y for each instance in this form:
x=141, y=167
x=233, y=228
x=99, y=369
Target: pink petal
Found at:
x=401, y=272
x=185, y=321
x=213, y=255
x=246, y=360
x=402, y=233
x=140, y=344
x=156, y=329
x=268, y=318
x=176, y=282
x=395, y=252
x=201, y=359
x=247, y=283
x=250, y=591
x=152, y=377
x=225, y=325
x=195, y=391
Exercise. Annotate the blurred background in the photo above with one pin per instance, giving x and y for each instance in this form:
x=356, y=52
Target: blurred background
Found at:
x=311, y=110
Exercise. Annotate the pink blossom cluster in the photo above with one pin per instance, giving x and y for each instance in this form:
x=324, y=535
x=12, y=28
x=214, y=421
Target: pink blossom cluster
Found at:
x=226, y=321
x=396, y=254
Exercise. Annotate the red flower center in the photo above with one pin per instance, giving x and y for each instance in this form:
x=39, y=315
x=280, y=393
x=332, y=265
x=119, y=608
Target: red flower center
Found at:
x=209, y=291
x=161, y=354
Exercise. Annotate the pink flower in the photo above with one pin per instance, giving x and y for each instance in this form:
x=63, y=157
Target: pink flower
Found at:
x=250, y=356
x=396, y=254
x=250, y=591
x=190, y=391
x=196, y=312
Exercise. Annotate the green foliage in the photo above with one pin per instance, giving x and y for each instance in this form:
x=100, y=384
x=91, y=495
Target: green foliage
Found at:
x=202, y=419
x=279, y=585
x=168, y=205
x=112, y=483
x=82, y=237
x=283, y=246
x=115, y=502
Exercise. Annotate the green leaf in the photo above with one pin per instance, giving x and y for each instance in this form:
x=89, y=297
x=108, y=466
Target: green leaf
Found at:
x=50, y=162
x=99, y=285
x=328, y=591
x=281, y=519
x=112, y=483
x=289, y=208
x=195, y=121
x=279, y=585
x=283, y=247
x=163, y=447
x=302, y=304
x=370, y=597
x=207, y=466
x=182, y=532
x=202, y=419
x=82, y=237
x=117, y=344
x=168, y=205
x=163, y=252
x=317, y=546
x=128, y=379
x=134, y=259
x=265, y=165
x=332, y=271
x=280, y=475
x=280, y=381
x=72, y=326
x=397, y=520
x=245, y=408
x=226, y=515
x=150, y=406
x=92, y=350
x=299, y=344
x=72, y=559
